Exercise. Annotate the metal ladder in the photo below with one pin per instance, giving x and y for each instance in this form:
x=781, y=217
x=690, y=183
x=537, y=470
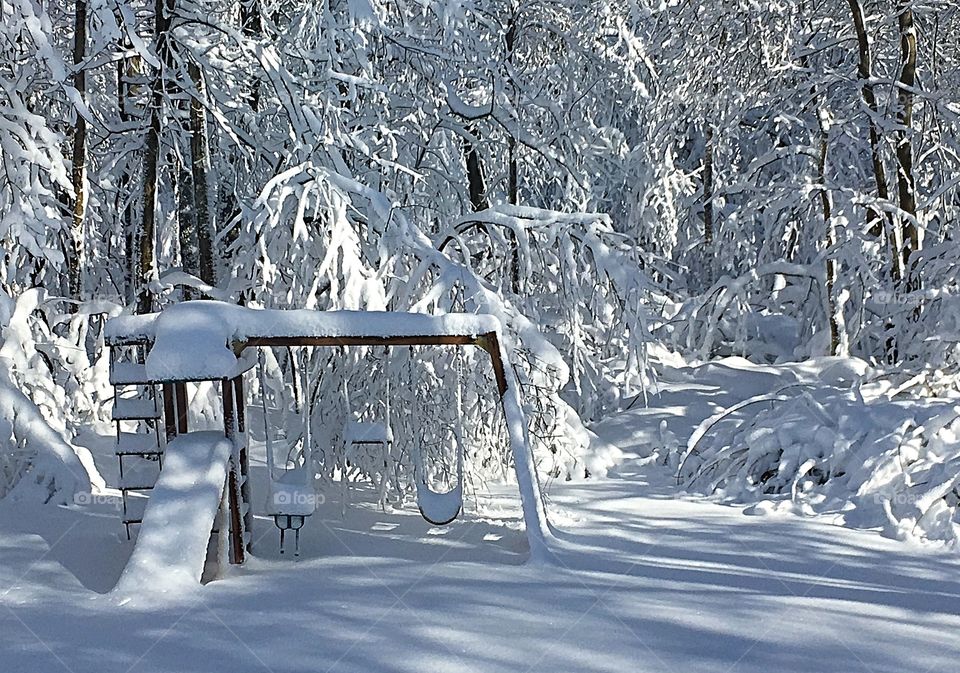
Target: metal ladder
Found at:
x=136, y=406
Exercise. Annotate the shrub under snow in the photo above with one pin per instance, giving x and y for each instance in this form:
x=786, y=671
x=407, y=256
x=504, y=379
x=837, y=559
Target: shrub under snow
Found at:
x=838, y=446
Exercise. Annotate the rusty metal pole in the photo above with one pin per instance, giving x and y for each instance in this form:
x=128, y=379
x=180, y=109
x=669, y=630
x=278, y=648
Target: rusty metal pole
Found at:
x=236, y=519
x=240, y=402
x=169, y=411
x=180, y=394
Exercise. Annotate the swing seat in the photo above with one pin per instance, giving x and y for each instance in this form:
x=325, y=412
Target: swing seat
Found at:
x=367, y=432
x=439, y=508
x=291, y=500
x=366, y=441
x=292, y=494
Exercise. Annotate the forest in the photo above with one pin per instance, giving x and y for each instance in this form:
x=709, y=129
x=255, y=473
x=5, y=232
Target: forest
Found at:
x=718, y=239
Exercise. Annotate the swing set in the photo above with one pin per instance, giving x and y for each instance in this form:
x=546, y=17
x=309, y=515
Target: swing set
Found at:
x=210, y=341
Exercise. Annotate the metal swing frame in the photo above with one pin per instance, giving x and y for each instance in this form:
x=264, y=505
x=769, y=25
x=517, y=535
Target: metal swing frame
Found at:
x=239, y=518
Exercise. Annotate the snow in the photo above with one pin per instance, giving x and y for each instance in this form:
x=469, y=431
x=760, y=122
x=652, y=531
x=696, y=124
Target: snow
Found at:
x=531, y=491
x=193, y=343
x=825, y=435
x=643, y=580
x=134, y=443
x=34, y=440
x=637, y=575
x=366, y=432
x=134, y=408
x=58, y=469
x=130, y=328
x=171, y=548
x=292, y=493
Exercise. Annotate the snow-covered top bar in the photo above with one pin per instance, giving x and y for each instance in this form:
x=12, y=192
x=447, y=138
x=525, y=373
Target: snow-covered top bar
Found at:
x=194, y=340
x=124, y=329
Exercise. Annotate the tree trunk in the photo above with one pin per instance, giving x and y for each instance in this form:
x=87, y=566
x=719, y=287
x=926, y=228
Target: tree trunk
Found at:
x=475, y=179
x=878, y=223
x=228, y=205
x=200, y=171
x=252, y=27
x=79, y=156
x=708, y=187
x=146, y=234
x=128, y=69
x=187, y=228
x=906, y=188
x=830, y=239
x=513, y=175
x=875, y=219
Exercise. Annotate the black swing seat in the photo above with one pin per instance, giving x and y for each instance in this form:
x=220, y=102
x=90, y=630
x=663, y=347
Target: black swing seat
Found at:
x=439, y=508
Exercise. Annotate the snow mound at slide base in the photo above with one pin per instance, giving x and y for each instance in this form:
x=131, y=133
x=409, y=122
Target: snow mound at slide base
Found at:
x=171, y=548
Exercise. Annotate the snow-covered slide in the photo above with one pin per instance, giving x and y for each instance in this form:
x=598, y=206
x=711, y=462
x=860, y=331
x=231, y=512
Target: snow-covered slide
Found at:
x=172, y=545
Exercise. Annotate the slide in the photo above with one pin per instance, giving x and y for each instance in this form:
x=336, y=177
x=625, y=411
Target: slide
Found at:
x=171, y=548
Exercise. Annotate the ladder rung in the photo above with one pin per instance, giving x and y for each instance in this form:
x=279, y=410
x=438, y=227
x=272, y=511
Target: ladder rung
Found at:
x=134, y=505
x=132, y=485
x=137, y=482
x=135, y=409
x=137, y=443
x=128, y=374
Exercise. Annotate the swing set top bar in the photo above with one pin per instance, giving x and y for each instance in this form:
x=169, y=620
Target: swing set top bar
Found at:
x=489, y=341
x=205, y=340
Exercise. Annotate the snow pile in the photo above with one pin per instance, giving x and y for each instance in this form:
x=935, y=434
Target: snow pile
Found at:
x=172, y=544
x=131, y=328
x=193, y=342
x=33, y=456
x=828, y=442
x=36, y=403
x=367, y=432
x=440, y=508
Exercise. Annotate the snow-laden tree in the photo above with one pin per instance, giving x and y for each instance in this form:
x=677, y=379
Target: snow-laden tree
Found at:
x=806, y=144
x=33, y=180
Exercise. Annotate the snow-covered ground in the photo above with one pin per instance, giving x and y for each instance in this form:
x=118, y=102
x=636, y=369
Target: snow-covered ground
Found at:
x=643, y=580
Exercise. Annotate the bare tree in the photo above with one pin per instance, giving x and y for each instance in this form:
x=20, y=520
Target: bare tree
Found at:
x=708, y=186
x=875, y=223
x=830, y=239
